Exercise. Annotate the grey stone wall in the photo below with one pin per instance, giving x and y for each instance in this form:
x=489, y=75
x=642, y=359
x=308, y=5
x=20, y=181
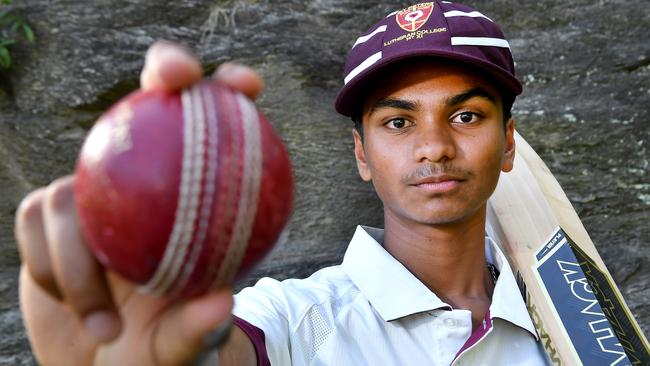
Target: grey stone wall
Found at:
x=585, y=109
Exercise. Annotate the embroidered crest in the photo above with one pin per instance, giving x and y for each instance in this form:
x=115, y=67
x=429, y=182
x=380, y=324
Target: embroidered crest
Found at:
x=414, y=17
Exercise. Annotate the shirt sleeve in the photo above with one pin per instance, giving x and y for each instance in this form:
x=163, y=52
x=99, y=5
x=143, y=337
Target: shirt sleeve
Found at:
x=261, y=312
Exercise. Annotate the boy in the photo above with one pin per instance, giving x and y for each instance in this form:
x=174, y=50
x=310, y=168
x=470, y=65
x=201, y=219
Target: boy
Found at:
x=430, y=89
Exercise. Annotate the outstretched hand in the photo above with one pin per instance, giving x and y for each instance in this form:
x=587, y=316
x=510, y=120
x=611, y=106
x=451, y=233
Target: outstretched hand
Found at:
x=78, y=313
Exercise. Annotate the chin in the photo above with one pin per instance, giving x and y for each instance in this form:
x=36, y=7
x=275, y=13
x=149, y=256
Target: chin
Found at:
x=439, y=221
x=445, y=216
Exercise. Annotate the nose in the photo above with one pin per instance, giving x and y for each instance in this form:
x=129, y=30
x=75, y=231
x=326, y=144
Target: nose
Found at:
x=434, y=142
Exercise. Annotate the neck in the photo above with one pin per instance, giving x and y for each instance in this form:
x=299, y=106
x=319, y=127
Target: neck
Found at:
x=448, y=258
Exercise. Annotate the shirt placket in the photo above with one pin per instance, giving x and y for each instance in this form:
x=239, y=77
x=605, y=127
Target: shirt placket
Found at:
x=451, y=328
x=477, y=336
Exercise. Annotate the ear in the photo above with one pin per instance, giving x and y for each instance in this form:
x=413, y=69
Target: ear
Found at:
x=509, y=147
x=360, y=156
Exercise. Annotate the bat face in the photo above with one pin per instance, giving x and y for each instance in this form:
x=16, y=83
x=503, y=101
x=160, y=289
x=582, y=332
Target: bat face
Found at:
x=580, y=315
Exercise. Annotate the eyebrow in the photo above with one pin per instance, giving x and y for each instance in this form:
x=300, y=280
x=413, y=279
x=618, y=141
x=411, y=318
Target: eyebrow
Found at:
x=454, y=100
x=394, y=103
x=477, y=92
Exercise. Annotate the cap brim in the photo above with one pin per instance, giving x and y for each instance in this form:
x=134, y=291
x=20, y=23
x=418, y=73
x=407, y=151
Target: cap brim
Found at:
x=350, y=98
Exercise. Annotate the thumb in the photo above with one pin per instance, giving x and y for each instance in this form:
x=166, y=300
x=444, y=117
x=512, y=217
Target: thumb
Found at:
x=169, y=66
x=178, y=339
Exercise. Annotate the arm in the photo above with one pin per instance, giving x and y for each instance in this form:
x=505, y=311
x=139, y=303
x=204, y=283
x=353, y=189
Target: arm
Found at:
x=238, y=350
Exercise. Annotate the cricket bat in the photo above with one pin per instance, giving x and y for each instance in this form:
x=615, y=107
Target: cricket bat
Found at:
x=578, y=311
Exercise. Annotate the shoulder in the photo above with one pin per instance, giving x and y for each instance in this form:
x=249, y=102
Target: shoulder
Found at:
x=293, y=298
x=297, y=316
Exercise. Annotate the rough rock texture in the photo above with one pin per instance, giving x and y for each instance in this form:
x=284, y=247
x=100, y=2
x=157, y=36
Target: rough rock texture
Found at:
x=586, y=110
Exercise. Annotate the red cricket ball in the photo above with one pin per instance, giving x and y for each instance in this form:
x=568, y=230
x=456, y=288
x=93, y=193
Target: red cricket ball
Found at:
x=182, y=192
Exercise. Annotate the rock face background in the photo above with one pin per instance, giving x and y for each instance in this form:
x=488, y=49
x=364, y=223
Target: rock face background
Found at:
x=585, y=109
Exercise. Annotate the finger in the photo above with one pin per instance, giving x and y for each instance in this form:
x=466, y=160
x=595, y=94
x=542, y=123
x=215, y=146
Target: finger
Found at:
x=241, y=78
x=32, y=245
x=169, y=66
x=179, y=337
x=79, y=276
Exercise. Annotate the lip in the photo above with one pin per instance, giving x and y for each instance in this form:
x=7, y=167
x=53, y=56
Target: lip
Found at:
x=438, y=184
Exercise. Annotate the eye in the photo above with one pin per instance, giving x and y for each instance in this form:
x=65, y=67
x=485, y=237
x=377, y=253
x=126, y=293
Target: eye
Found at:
x=398, y=123
x=465, y=117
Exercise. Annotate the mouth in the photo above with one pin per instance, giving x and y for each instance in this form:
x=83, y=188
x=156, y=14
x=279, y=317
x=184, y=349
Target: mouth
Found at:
x=438, y=183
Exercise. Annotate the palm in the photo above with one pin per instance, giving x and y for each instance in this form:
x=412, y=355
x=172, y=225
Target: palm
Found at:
x=141, y=315
x=53, y=326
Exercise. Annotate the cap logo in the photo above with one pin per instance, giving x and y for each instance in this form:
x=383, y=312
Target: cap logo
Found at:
x=414, y=17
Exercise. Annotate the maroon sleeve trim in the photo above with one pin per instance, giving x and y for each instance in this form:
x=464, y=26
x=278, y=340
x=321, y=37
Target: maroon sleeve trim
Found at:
x=256, y=335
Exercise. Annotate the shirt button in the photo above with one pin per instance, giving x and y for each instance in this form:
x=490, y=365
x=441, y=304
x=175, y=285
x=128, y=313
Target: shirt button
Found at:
x=450, y=323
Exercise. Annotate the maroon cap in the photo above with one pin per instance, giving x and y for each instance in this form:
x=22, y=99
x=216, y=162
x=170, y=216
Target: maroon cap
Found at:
x=439, y=28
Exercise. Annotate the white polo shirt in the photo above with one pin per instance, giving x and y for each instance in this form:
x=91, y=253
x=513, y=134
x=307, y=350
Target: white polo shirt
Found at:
x=371, y=310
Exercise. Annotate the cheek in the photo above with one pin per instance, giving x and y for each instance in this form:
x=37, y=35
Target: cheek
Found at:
x=489, y=150
x=385, y=164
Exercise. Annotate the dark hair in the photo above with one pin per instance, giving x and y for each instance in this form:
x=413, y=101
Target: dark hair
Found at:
x=358, y=124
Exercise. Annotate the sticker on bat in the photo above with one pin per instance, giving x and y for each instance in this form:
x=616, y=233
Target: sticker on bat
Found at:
x=593, y=316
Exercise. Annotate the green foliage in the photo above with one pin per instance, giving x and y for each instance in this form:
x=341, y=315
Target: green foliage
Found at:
x=12, y=29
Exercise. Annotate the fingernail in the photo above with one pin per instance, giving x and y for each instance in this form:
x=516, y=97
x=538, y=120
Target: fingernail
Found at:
x=102, y=325
x=230, y=67
x=173, y=52
x=164, y=50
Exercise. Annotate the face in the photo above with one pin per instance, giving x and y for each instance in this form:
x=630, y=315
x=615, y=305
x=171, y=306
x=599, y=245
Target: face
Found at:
x=434, y=143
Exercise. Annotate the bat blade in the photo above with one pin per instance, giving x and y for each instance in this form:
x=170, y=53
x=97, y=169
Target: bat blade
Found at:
x=578, y=311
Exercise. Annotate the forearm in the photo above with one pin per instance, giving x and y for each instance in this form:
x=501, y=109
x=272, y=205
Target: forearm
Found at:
x=238, y=350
